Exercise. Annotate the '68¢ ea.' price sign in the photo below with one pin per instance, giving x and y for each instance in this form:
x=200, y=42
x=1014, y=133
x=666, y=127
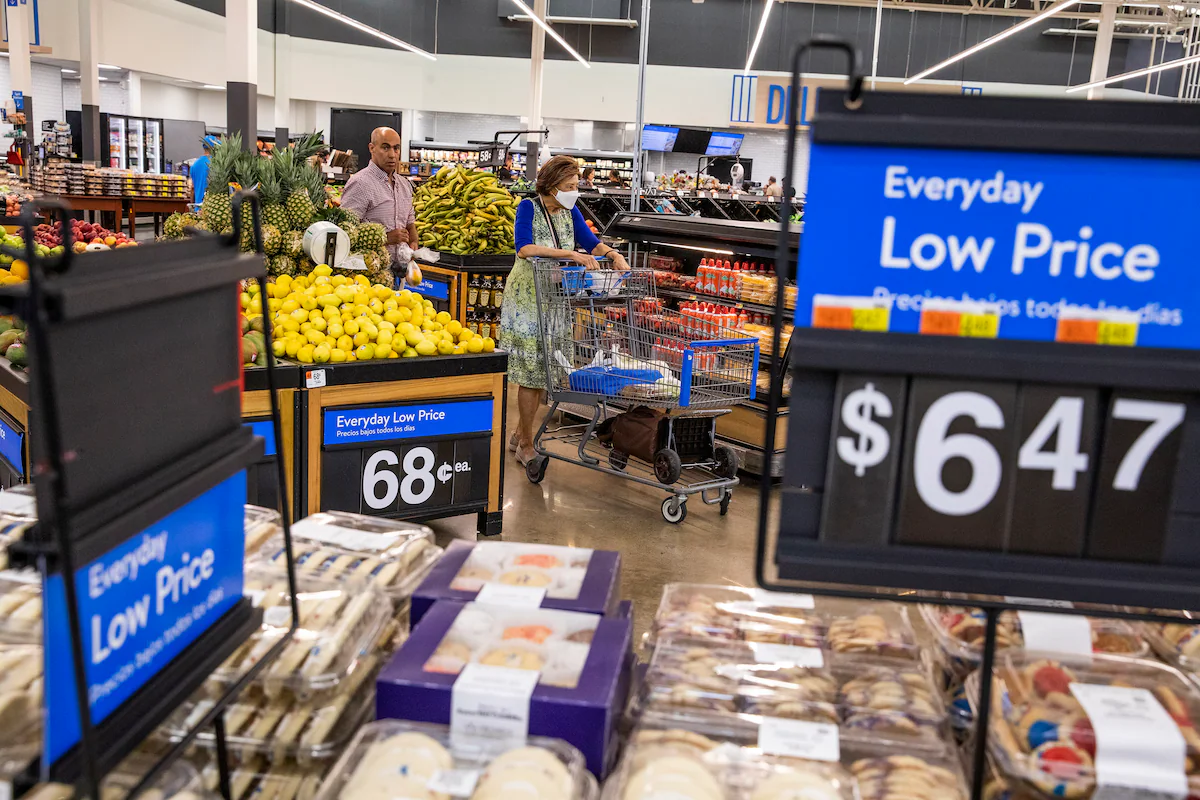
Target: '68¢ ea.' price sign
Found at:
x=1052, y=470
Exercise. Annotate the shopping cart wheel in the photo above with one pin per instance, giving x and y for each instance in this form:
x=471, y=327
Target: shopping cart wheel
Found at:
x=667, y=467
x=727, y=461
x=618, y=460
x=725, y=498
x=674, y=509
x=535, y=468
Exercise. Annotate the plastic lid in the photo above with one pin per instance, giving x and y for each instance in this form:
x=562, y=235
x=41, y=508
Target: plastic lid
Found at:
x=261, y=524
x=20, y=606
x=1176, y=642
x=339, y=625
x=255, y=777
x=390, y=756
x=1041, y=737
x=559, y=570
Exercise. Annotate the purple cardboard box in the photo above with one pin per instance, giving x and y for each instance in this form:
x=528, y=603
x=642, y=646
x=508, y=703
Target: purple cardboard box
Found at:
x=586, y=716
x=592, y=589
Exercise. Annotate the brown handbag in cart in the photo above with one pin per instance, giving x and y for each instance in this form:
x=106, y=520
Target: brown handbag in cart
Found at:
x=638, y=432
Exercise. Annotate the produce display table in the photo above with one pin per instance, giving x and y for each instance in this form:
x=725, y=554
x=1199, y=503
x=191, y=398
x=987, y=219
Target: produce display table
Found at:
x=95, y=204
x=408, y=438
x=455, y=271
x=157, y=206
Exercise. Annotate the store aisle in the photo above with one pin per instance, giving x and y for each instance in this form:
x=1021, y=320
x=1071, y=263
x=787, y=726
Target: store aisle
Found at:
x=583, y=508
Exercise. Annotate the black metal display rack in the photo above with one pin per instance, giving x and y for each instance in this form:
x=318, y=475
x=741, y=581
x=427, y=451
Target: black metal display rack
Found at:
x=124, y=437
x=838, y=536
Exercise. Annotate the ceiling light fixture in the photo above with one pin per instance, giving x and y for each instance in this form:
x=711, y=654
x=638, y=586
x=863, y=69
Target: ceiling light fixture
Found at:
x=762, y=26
x=212, y=86
x=70, y=71
x=1137, y=73
x=353, y=23
x=108, y=66
x=541, y=23
x=612, y=22
x=1004, y=34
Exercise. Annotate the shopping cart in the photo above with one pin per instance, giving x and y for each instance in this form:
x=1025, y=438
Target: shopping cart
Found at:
x=608, y=341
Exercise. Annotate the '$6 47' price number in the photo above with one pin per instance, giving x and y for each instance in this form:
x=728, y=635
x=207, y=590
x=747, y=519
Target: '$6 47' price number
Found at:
x=1054, y=445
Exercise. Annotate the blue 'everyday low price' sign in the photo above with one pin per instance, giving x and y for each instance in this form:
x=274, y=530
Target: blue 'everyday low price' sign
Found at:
x=141, y=604
x=1031, y=232
x=433, y=290
x=12, y=446
x=417, y=420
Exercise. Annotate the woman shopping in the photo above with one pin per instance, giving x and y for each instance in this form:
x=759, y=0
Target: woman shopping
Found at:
x=547, y=226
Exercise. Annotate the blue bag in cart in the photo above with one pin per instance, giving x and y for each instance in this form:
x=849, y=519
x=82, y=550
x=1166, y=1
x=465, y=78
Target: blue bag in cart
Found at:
x=609, y=380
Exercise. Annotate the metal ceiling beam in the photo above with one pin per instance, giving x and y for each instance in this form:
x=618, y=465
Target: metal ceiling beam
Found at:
x=601, y=21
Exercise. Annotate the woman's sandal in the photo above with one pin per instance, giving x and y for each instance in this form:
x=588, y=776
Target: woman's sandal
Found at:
x=513, y=441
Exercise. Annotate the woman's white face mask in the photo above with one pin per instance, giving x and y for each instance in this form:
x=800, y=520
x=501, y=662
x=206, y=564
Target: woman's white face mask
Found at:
x=567, y=199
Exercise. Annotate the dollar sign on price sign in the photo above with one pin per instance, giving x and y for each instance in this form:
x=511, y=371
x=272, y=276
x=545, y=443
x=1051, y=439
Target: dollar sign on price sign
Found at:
x=859, y=411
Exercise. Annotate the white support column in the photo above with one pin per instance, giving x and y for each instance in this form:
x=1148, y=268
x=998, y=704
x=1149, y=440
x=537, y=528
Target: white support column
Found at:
x=133, y=90
x=19, y=32
x=536, y=58
x=89, y=81
x=241, y=60
x=283, y=74
x=1104, y=39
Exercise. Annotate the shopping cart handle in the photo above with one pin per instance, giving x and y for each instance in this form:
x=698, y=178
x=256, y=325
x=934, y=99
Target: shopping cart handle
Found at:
x=722, y=342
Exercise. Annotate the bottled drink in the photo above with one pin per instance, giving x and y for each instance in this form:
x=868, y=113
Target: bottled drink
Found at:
x=485, y=292
x=473, y=290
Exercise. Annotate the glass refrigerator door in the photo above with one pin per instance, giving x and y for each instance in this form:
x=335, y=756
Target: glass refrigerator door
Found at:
x=153, y=146
x=116, y=142
x=135, y=140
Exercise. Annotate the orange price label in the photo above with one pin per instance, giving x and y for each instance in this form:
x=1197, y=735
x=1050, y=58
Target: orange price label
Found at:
x=833, y=317
x=1077, y=331
x=941, y=323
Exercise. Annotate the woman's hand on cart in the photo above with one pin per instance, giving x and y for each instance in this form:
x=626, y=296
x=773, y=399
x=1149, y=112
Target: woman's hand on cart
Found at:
x=618, y=261
x=584, y=260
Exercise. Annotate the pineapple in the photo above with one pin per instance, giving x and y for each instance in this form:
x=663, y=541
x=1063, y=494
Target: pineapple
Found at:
x=351, y=229
x=282, y=265
x=216, y=211
x=371, y=259
x=246, y=233
x=300, y=209
x=371, y=236
x=385, y=257
x=272, y=239
x=382, y=276
x=173, y=227
x=293, y=244
x=269, y=191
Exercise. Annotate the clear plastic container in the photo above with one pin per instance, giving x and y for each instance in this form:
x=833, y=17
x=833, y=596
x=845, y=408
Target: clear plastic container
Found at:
x=21, y=693
x=960, y=631
x=255, y=778
x=394, y=758
x=261, y=524
x=556, y=643
x=669, y=764
x=20, y=606
x=181, y=781
x=731, y=613
x=1040, y=736
x=1176, y=643
x=873, y=704
x=283, y=728
x=339, y=627
x=352, y=548
x=884, y=777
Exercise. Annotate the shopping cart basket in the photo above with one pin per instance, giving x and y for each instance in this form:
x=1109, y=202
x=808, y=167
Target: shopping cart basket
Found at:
x=607, y=341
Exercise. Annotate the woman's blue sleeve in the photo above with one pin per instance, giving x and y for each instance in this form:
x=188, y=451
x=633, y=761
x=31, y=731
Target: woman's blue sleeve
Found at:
x=523, y=227
x=584, y=237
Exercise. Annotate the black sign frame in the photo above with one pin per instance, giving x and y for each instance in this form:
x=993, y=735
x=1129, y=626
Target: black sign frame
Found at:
x=937, y=121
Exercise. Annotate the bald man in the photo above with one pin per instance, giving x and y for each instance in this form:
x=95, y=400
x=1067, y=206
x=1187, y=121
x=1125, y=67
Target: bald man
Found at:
x=378, y=194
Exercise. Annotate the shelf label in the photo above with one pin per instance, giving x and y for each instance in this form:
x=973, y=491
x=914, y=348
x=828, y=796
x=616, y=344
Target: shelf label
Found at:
x=356, y=425
x=788, y=655
x=1021, y=230
x=314, y=378
x=795, y=738
x=956, y=318
x=1080, y=326
x=1056, y=633
x=12, y=446
x=350, y=539
x=140, y=605
x=492, y=702
x=851, y=313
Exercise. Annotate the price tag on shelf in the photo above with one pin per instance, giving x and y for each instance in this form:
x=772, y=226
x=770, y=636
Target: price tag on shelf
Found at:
x=851, y=313
x=958, y=318
x=314, y=378
x=795, y=738
x=1104, y=326
x=1056, y=633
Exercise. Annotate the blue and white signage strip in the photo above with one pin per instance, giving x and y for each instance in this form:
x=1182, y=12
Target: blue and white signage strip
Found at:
x=266, y=429
x=12, y=446
x=1034, y=233
x=413, y=421
x=141, y=604
x=433, y=290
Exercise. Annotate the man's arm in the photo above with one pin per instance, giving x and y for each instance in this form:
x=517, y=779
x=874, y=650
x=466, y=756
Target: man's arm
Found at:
x=354, y=198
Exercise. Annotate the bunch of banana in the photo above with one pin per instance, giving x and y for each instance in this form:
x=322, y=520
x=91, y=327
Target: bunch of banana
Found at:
x=464, y=211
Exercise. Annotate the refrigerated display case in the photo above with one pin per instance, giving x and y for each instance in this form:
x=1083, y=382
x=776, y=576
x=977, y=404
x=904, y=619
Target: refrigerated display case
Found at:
x=134, y=143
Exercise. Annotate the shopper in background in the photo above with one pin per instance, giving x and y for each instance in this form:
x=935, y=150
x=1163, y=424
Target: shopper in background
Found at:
x=614, y=179
x=548, y=226
x=773, y=188
x=505, y=173
x=588, y=181
x=199, y=170
x=378, y=193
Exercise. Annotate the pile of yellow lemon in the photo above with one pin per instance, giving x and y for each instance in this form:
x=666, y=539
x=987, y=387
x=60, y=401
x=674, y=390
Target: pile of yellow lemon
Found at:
x=324, y=318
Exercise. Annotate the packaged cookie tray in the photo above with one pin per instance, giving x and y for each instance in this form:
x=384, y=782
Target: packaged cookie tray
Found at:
x=732, y=613
x=284, y=728
x=399, y=759
x=960, y=630
x=559, y=570
x=339, y=625
x=261, y=525
x=255, y=777
x=865, y=698
x=21, y=693
x=337, y=545
x=20, y=606
x=1040, y=736
x=864, y=772
x=180, y=781
x=1176, y=643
